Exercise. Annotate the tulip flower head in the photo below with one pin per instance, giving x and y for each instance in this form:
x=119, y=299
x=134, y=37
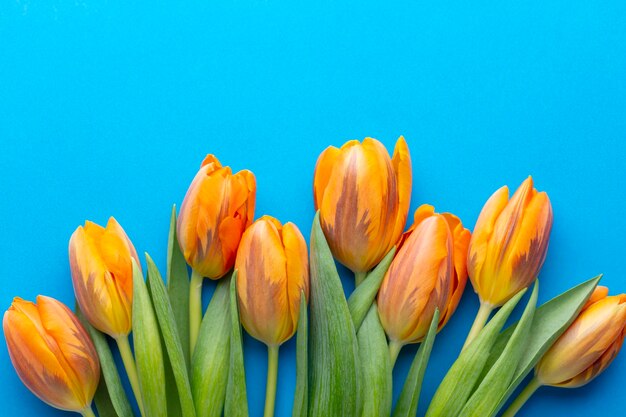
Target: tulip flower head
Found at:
x=588, y=346
x=509, y=243
x=273, y=271
x=363, y=198
x=52, y=353
x=102, y=274
x=217, y=208
x=428, y=272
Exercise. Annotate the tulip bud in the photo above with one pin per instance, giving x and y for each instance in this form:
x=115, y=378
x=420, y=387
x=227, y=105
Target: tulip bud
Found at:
x=102, y=274
x=272, y=271
x=216, y=210
x=428, y=272
x=363, y=198
x=588, y=346
x=509, y=243
x=52, y=353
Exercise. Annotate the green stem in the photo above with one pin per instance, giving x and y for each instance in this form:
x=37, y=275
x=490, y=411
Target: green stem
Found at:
x=195, y=309
x=530, y=389
x=272, y=376
x=359, y=277
x=88, y=412
x=394, y=351
x=481, y=319
x=131, y=369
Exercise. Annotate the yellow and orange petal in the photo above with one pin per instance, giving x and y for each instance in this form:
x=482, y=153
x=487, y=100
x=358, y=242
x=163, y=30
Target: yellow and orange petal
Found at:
x=52, y=353
x=102, y=275
x=272, y=272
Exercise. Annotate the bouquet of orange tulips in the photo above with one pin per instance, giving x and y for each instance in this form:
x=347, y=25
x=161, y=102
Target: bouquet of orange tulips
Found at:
x=188, y=362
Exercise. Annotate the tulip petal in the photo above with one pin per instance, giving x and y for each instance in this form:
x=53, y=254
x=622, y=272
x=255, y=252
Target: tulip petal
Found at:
x=401, y=162
x=297, y=268
x=323, y=171
x=479, y=244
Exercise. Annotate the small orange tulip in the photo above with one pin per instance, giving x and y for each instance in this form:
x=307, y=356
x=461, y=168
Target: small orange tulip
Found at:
x=363, y=197
x=102, y=274
x=52, y=353
x=428, y=272
x=272, y=267
x=588, y=346
x=216, y=210
x=509, y=243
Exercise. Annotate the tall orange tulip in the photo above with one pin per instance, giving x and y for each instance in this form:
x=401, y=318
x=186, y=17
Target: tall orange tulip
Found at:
x=101, y=261
x=52, y=353
x=272, y=274
x=586, y=348
x=508, y=247
x=363, y=197
x=217, y=208
x=428, y=272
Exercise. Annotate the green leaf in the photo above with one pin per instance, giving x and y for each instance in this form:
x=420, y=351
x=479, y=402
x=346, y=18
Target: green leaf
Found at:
x=103, y=401
x=236, y=399
x=375, y=366
x=301, y=398
x=465, y=372
x=550, y=321
x=333, y=351
x=171, y=338
x=148, y=353
x=178, y=287
x=209, y=365
x=110, y=375
x=410, y=395
x=362, y=297
x=484, y=400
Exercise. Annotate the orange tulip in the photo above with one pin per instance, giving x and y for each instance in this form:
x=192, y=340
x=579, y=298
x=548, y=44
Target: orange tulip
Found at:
x=363, y=198
x=428, y=272
x=272, y=275
x=102, y=274
x=509, y=243
x=216, y=210
x=588, y=346
x=272, y=270
x=52, y=353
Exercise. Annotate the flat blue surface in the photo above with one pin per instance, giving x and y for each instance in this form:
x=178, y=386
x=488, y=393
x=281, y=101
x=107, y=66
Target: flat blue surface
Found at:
x=107, y=108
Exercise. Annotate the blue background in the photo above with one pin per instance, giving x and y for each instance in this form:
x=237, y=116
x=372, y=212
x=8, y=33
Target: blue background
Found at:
x=108, y=108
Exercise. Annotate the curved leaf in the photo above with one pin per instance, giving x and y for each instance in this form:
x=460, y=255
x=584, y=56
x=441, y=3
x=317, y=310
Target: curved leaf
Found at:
x=175, y=352
x=363, y=296
x=209, y=365
x=465, y=372
x=485, y=399
x=375, y=366
x=301, y=398
x=236, y=404
x=410, y=395
x=333, y=351
x=178, y=287
x=148, y=353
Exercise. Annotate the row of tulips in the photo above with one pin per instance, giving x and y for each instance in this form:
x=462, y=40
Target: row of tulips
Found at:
x=187, y=362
